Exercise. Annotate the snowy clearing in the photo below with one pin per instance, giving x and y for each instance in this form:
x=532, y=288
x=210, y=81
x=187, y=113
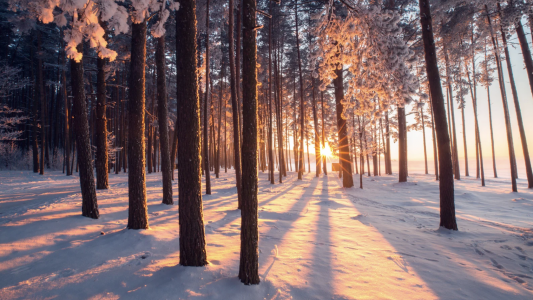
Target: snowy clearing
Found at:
x=317, y=241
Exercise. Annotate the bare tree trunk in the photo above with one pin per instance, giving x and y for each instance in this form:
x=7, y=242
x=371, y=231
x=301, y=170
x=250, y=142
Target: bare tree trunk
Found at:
x=206, y=106
x=318, y=157
x=138, y=210
x=249, y=259
x=89, y=206
x=101, y=127
x=162, y=110
x=424, y=138
x=191, y=224
x=490, y=123
x=447, y=205
x=235, y=105
x=42, y=98
x=455, y=155
x=388, y=161
x=344, y=149
x=402, y=145
x=270, y=154
x=301, y=167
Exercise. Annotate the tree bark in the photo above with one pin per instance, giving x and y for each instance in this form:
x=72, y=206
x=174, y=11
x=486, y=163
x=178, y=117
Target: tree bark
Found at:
x=526, y=53
x=344, y=149
x=89, y=206
x=249, y=258
x=402, y=145
x=191, y=224
x=138, y=210
x=447, y=205
x=206, y=106
x=162, y=110
x=101, y=128
x=235, y=108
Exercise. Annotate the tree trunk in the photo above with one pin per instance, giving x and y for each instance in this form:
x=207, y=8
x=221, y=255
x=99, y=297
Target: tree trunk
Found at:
x=490, y=123
x=101, y=128
x=191, y=224
x=206, y=106
x=42, y=98
x=249, y=259
x=402, y=145
x=235, y=107
x=269, y=118
x=89, y=206
x=455, y=153
x=35, y=115
x=138, y=210
x=162, y=110
x=344, y=149
x=424, y=139
x=66, y=134
x=447, y=205
x=301, y=167
x=388, y=161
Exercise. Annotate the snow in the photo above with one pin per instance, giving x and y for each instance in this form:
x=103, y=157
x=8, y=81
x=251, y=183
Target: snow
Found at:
x=317, y=241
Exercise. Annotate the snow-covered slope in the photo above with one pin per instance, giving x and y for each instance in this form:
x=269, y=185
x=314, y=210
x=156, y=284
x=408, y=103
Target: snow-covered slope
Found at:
x=317, y=241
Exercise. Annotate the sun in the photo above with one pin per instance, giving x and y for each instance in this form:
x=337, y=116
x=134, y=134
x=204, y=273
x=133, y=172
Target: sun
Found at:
x=326, y=150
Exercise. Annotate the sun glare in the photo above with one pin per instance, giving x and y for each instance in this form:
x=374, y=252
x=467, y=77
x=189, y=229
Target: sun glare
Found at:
x=326, y=150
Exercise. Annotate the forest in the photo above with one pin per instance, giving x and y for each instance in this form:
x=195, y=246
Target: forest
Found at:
x=266, y=149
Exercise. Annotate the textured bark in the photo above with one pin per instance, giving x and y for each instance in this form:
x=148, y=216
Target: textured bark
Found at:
x=447, y=202
x=402, y=145
x=89, y=206
x=235, y=107
x=206, y=107
x=191, y=224
x=344, y=149
x=249, y=256
x=138, y=211
x=162, y=115
x=101, y=128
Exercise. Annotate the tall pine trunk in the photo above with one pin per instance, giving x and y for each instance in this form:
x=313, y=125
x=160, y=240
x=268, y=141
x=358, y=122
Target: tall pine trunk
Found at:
x=101, y=127
x=344, y=149
x=447, y=205
x=191, y=224
x=402, y=145
x=138, y=210
x=89, y=206
x=235, y=107
x=162, y=116
x=249, y=259
x=206, y=106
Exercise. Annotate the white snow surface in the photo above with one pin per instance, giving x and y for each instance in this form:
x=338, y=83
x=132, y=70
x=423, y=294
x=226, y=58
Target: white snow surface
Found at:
x=317, y=241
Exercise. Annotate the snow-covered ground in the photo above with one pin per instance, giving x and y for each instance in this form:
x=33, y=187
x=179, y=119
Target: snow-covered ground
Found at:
x=317, y=241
